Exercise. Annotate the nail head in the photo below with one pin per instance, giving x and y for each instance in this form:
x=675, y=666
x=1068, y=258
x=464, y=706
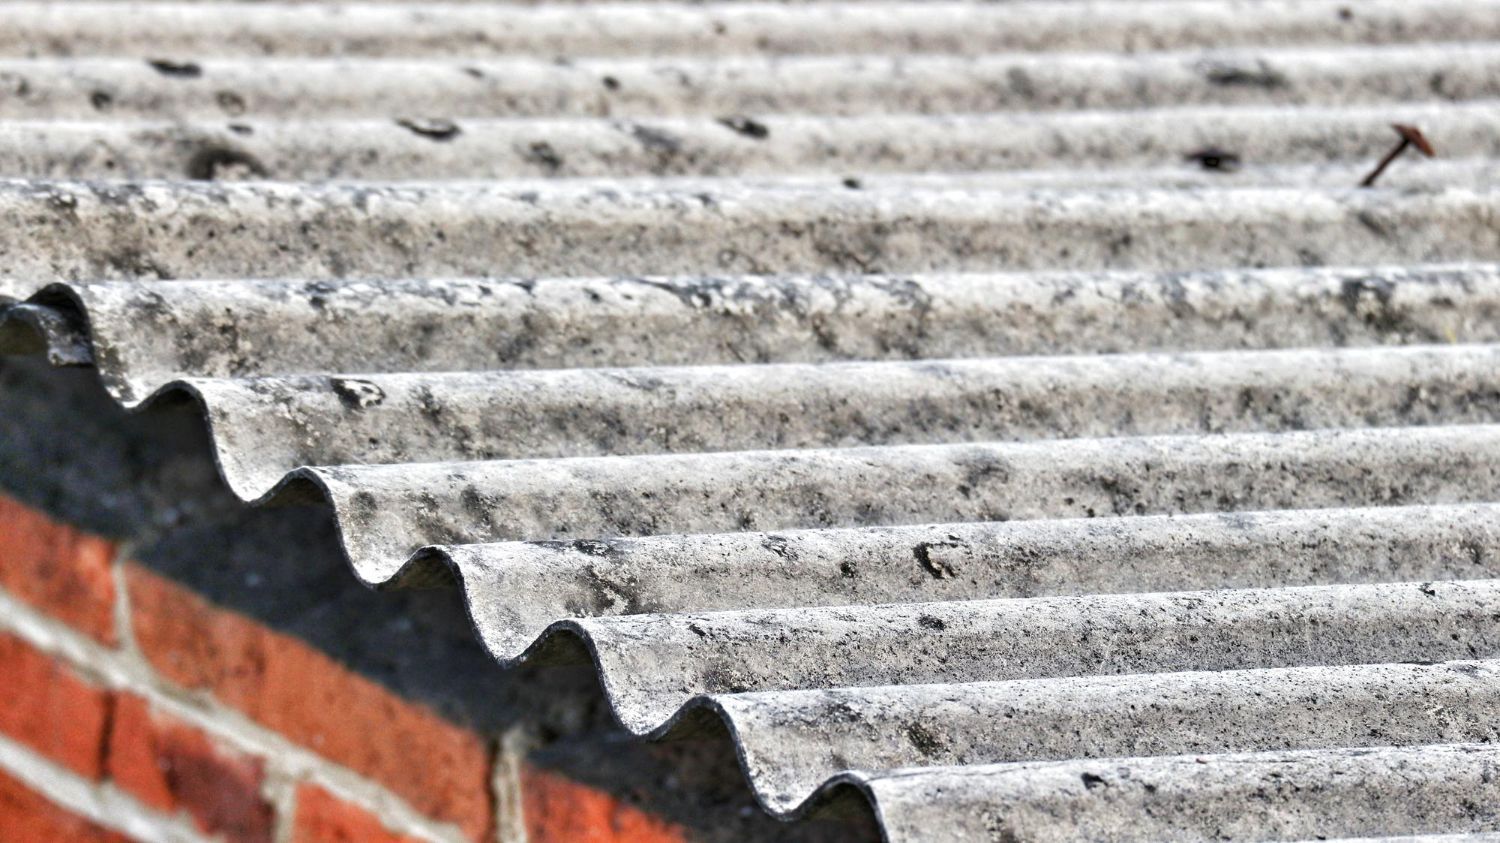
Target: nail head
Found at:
x=1414, y=136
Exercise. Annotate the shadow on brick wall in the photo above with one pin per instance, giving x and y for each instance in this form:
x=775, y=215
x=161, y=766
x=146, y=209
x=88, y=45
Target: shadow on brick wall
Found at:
x=147, y=479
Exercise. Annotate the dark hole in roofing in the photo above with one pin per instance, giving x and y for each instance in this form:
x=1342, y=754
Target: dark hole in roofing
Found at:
x=1216, y=159
x=656, y=140
x=542, y=153
x=217, y=162
x=357, y=394
x=924, y=739
x=1261, y=75
x=437, y=128
x=611, y=83
x=780, y=546
x=1092, y=781
x=935, y=566
x=746, y=126
x=101, y=100
x=592, y=547
x=232, y=103
x=180, y=69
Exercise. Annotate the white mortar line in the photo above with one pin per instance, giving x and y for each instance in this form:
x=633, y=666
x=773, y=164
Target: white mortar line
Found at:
x=510, y=816
x=130, y=671
x=281, y=791
x=103, y=804
x=124, y=629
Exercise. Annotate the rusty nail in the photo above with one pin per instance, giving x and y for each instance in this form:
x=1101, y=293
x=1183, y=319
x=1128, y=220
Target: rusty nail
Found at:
x=1410, y=136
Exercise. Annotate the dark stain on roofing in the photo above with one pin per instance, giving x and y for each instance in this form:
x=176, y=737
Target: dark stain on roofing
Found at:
x=933, y=565
x=656, y=140
x=230, y=103
x=1214, y=159
x=542, y=154
x=357, y=394
x=177, y=69
x=780, y=546
x=1260, y=74
x=927, y=741
x=746, y=126
x=433, y=128
x=215, y=161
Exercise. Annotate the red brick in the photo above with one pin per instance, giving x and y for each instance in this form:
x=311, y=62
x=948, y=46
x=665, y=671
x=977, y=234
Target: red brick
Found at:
x=172, y=767
x=324, y=818
x=560, y=810
x=57, y=569
x=131, y=758
x=28, y=817
x=46, y=706
x=282, y=683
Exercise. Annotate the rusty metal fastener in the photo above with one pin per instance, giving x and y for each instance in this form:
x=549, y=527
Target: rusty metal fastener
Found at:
x=1410, y=136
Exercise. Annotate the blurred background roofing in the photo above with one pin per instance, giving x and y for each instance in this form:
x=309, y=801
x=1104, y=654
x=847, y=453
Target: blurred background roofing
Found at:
x=1012, y=411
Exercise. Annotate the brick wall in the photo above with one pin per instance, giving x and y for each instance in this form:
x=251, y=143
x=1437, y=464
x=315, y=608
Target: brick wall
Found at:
x=133, y=709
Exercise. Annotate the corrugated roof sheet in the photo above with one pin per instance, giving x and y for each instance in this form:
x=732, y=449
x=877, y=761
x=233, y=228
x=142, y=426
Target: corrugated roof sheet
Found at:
x=1011, y=411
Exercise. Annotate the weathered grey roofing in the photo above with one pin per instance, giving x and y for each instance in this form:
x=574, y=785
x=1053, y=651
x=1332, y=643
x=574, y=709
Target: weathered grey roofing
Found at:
x=1011, y=412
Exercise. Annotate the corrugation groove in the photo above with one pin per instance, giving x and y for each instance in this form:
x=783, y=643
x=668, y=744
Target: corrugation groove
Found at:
x=373, y=30
x=1012, y=412
x=1101, y=143
x=846, y=85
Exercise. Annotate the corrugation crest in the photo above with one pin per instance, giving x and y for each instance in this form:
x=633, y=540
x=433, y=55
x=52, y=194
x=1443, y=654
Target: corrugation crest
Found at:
x=1013, y=413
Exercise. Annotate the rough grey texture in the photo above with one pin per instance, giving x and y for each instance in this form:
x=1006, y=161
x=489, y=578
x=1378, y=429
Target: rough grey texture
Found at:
x=421, y=89
x=180, y=30
x=1253, y=796
x=796, y=740
x=518, y=588
x=1011, y=412
x=92, y=230
x=144, y=336
x=880, y=148
x=392, y=511
x=267, y=426
x=653, y=664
